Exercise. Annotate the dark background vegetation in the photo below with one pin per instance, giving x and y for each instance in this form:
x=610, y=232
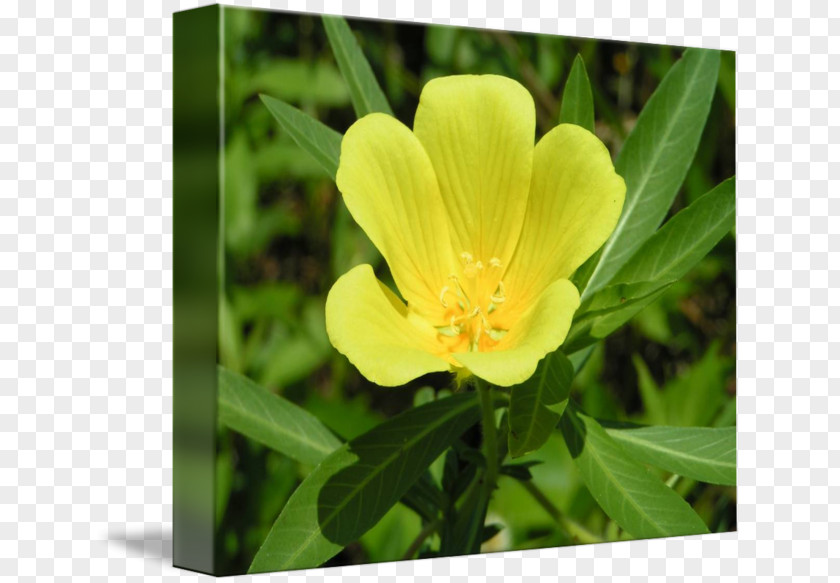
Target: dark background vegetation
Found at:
x=288, y=237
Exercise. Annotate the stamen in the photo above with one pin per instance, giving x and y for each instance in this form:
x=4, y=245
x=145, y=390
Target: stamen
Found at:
x=449, y=331
x=460, y=291
x=498, y=296
x=495, y=333
x=472, y=323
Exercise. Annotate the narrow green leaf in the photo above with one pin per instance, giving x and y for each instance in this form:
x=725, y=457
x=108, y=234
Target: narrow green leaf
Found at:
x=365, y=93
x=664, y=258
x=577, y=107
x=355, y=486
x=520, y=471
x=536, y=404
x=695, y=396
x=609, y=309
x=706, y=454
x=263, y=416
x=464, y=535
x=652, y=399
x=685, y=239
x=631, y=495
x=321, y=142
x=299, y=80
x=424, y=498
x=656, y=156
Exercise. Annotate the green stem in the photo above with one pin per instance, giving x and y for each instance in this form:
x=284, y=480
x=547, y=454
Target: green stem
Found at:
x=571, y=527
x=427, y=531
x=491, y=449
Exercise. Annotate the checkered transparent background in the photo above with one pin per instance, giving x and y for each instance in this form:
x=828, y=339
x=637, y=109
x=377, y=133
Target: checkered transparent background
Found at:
x=86, y=286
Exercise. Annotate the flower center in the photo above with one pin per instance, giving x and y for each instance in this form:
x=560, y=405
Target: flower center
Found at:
x=469, y=300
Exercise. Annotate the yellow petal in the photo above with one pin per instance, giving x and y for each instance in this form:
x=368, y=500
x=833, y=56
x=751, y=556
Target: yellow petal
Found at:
x=479, y=134
x=539, y=331
x=368, y=324
x=574, y=204
x=391, y=190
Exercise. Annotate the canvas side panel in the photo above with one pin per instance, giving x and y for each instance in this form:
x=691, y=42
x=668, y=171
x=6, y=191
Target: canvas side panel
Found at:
x=196, y=184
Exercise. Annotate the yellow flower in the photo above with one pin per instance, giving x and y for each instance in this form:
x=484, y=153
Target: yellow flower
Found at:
x=480, y=228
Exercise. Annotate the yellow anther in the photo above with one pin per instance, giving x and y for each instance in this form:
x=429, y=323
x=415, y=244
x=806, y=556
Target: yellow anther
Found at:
x=459, y=291
x=471, y=320
x=498, y=296
x=495, y=333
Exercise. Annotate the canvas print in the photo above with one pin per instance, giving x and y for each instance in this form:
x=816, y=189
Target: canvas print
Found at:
x=470, y=291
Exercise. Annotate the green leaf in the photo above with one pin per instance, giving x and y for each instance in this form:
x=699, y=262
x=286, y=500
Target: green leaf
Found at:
x=657, y=155
x=299, y=81
x=365, y=93
x=685, y=239
x=322, y=142
x=664, y=258
x=520, y=471
x=491, y=530
x=695, y=397
x=607, y=310
x=356, y=485
x=706, y=454
x=577, y=107
x=536, y=404
x=631, y=495
x=261, y=415
x=652, y=399
x=464, y=535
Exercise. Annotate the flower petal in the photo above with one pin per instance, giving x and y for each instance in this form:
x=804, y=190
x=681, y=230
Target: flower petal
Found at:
x=574, y=204
x=391, y=190
x=368, y=324
x=541, y=330
x=479, y=134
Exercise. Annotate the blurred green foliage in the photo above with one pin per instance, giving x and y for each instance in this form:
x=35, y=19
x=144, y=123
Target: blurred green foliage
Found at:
x=288, y=236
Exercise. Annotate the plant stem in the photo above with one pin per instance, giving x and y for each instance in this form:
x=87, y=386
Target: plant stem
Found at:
x=491, y=449
x=427, y=531
x=571, y=527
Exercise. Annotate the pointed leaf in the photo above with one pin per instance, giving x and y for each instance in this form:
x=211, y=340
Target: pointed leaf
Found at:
x=664, y=258
x=356, y=485
x=251, y=410
x=321, y=142
x=706, y=454
x=656, y=156
x=631, y=495
x=652, y=398
x=536, y=404
x=609, y=309
x=365, y=92
x=463, y=537
x=685, y=239
x=577, y=107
